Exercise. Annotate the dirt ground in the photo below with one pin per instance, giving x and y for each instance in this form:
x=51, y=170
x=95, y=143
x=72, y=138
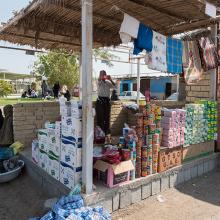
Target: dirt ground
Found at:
x=198, y=199
x=21, y=199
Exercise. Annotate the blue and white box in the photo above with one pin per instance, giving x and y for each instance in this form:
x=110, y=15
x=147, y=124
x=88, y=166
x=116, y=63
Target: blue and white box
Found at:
x=71, y=127
x=70, y=176
x=71, y=153
x=76, y=109
x=43, y=160
x=53, y=166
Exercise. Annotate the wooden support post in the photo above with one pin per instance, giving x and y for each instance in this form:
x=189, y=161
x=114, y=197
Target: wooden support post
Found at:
x=138, y=80
x=88, y=120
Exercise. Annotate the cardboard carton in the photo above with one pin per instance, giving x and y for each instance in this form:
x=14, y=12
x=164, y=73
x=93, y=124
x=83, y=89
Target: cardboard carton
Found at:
x=71, y=153
x=53, y=166
x=43, y=160
x=77, y=140
x=198, y=150
x=35, y=151
x=65, y=109
x=70, y=176
x=113, y=175
x=169, y=158
x=76, y=109
x=72, y=127
x=42, y=135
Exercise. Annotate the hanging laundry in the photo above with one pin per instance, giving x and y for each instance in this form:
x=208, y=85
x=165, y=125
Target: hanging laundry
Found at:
x=157, y=58
x=193, y=73
x=129, y=29
x=208, y=53
x=174, y=55
x=185, y=58
x=144, y=39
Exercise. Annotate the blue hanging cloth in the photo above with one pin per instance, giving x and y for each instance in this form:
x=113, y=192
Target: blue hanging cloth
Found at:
x=144, y=39
x=174, y=55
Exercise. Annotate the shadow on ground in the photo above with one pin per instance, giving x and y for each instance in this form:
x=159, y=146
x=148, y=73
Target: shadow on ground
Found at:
x=21, y=199
x=205, y=188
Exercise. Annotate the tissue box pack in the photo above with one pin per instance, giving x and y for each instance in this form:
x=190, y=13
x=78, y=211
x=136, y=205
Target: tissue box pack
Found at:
x=43, y=160
x=53, y=166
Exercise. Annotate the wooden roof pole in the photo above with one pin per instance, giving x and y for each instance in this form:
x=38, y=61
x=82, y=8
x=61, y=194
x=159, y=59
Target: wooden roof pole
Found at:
x=157, y=9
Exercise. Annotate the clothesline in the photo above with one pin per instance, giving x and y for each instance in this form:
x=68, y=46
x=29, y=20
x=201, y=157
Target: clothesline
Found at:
x=166, y=54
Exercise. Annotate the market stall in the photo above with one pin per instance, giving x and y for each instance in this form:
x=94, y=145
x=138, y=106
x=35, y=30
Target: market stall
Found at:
x=43, y=25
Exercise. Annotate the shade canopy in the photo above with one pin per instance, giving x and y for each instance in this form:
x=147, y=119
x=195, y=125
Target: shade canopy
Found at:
x=53, y=24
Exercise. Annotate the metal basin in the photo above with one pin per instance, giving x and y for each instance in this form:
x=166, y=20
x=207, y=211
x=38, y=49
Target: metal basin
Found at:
x=8, y=176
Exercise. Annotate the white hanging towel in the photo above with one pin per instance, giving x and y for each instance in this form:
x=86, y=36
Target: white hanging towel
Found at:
x=156, y=59
x=129, y=28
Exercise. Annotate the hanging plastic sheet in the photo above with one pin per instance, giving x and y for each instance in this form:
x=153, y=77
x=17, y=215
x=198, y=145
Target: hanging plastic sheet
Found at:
x=193, y=73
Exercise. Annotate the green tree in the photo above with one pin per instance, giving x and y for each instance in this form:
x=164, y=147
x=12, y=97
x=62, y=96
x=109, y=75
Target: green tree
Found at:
x=58, y=66
x=105, y=56
x=5, y=88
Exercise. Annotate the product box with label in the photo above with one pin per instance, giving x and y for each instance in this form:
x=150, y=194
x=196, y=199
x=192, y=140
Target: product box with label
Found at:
x=73, y=139
x=53, y=166
x=169, y=158
x=42, y=135
x=113, y=175
x=43, y=139
x=196, y=151
x=35, y=151
x=70, y=176
x=71, y=153
x=72, y=127
x=43, y=160
x=76, y=109
x=65, y=109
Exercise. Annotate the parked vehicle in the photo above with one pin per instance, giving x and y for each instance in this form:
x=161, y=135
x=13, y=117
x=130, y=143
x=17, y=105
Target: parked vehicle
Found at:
x=173, y=97
x=131, y=95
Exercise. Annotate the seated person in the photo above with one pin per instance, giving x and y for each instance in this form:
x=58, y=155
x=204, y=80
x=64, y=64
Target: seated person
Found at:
x=33, y=94
x=24, y=94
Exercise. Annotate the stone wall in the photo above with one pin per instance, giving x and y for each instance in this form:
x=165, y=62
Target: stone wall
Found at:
x=29, y=117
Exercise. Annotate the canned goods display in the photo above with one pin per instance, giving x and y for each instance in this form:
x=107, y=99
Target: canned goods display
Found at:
x=139, y=120
x=152, y=128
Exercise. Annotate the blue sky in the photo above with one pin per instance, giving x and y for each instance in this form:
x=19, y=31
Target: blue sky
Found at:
x=17, y=61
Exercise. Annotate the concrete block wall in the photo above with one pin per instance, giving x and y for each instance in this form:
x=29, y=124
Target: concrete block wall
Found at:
x=140, y=189
x=29, y=117
x=199, y=91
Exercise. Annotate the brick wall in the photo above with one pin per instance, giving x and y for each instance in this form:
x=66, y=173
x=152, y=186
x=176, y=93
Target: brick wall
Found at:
x=199, y=91
x=118, y=118
x=28, y=117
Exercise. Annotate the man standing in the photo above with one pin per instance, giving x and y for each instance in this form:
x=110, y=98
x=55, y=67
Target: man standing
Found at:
x=103, y=106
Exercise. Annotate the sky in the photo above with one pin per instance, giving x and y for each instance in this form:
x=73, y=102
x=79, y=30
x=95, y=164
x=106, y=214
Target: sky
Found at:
x=19, y=62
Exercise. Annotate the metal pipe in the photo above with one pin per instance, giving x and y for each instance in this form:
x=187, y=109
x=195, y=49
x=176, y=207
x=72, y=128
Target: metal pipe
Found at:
x=138, y=81
x=88, y=120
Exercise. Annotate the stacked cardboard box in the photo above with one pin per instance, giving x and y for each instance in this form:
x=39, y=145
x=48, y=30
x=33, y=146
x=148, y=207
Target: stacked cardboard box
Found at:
x=71, y=144
x=173, y=124
x=196, y=124
x=58, y=149
x=210, y=114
